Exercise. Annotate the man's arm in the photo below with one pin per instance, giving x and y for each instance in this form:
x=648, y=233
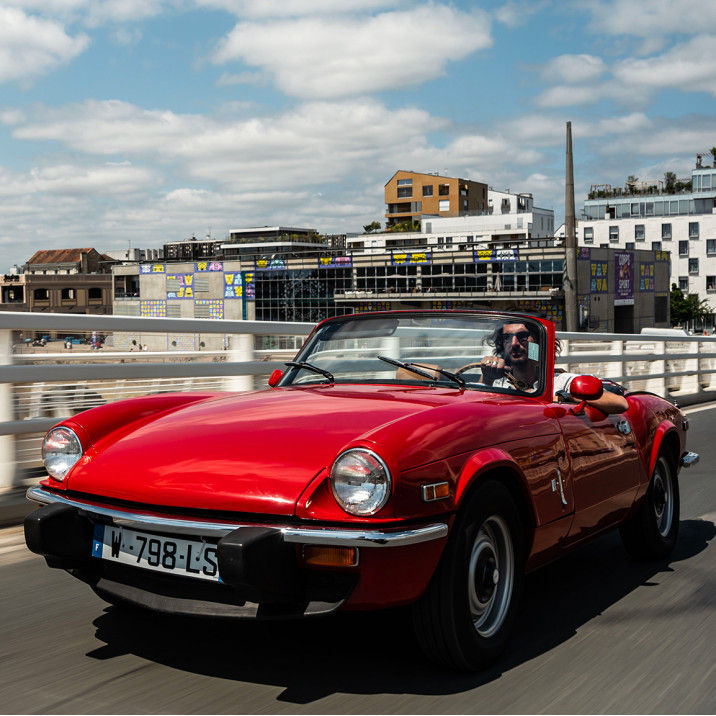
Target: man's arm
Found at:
x=610, y=403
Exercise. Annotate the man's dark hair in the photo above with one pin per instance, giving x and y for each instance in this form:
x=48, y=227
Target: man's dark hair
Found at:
x=496, y=340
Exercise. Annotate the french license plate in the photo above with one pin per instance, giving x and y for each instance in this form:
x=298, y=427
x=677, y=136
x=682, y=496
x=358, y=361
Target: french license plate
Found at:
x=183, y=557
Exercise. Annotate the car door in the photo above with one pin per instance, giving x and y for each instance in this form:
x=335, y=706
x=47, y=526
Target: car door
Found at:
x=605, y=469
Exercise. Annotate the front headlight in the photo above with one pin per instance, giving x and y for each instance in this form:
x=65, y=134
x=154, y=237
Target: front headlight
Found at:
x=360, y=481
x=60, y=451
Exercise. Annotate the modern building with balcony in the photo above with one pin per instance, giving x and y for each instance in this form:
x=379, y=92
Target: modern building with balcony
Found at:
x=410, y=195
x=679, y=218
x=511, y=220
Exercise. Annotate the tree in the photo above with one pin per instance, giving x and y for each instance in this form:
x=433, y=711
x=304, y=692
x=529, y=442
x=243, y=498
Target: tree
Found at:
x=631, y=183
x=406, y=226
x=713, y=154
x=669, y=181
x=685, y=309
x=373, y=226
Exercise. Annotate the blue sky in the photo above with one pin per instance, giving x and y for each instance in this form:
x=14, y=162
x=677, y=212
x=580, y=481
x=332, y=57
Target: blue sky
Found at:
x=145, y=121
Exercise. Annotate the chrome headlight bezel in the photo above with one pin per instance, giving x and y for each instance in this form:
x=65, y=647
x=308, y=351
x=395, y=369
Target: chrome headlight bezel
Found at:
x=347, y=492
x=60, y=460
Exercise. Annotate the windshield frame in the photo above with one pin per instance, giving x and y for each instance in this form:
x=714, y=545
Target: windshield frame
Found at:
x=545, y=343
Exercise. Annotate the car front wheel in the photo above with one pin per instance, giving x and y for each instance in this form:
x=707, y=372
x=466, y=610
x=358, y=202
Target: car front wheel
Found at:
x=651, y=533
x=465, y=616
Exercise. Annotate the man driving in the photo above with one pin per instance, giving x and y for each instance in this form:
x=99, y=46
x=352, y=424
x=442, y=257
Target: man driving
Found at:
x=515, y=364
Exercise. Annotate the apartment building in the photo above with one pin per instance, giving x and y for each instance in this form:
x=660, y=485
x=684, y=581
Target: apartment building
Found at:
x=60, y=281
x=679, y=218
x=511, y=220
x=409, y=195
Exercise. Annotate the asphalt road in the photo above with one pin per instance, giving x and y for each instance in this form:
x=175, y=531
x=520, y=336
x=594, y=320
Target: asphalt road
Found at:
x=599, y=634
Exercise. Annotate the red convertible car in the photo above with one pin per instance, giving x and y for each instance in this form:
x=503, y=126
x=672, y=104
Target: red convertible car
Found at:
x=397, y=460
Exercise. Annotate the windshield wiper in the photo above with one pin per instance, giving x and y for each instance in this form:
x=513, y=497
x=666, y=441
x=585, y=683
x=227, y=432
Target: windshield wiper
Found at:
x=423, y=370
x=314, y=368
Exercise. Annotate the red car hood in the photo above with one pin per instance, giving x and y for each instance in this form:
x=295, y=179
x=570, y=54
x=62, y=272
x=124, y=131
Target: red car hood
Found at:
x=248, y=453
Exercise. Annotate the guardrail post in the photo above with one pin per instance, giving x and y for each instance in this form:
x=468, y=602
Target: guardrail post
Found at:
x=658, y=385
x=616, y=369
x=242, y=349
x=690, y=383
x=7, y=442
x=706, y=362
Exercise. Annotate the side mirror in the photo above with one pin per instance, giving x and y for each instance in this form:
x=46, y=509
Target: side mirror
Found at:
x=586, y=387
x=275, y=377
x=583, y=388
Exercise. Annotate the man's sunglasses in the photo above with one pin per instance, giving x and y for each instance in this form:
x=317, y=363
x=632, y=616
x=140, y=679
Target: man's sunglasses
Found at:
x=521, y=336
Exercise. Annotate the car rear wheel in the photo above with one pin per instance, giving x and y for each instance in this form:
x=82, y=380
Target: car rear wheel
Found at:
x=465, y=616
x=651, y=533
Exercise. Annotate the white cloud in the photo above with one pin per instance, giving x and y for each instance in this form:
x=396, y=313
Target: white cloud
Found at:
x=316, y=142
x=242, y=78
x=516, y=14
x=569, y=96
x=12, y=116
x=656, y=17
x=96, y=12
x=323, y=58
x=690, y=66
x=31, y=46
x=70, y=180
x=297, y=8
x=127, y=36
x=686, y=67
x=573, y=69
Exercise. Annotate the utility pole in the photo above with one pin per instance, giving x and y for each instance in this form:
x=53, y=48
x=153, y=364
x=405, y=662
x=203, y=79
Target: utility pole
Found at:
x=570, y=240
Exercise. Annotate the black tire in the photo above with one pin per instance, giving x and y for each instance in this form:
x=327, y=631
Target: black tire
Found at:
x=651, y=533
x=465, y=617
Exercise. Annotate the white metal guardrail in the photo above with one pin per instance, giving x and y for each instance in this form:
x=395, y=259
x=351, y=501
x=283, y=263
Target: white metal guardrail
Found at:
x=41, y=385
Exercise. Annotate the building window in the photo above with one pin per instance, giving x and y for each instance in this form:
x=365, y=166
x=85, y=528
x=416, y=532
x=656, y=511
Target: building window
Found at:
x=693, y=266
x=656, y=245
x=41, y=294
x=613, y=234
x=405, y=191
x=684, y=284
x=639, y=233
x=661, y=309
x=683, y=248
x=711, y=283
x=427, y=190
x=68, y=294
x=711, y=247
x=629, y=245
x=444, y=190
x=444, y=205
x=94, y=293
x=666, y=231
x=693, y=229
x=405, y=182
x=588, y=234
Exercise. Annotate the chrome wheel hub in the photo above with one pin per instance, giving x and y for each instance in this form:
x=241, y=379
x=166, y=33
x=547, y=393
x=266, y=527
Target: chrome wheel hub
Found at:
x=663, y=498
x=490, y=576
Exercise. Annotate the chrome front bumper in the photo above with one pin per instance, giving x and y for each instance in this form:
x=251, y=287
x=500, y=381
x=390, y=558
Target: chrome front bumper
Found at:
x=331, y=536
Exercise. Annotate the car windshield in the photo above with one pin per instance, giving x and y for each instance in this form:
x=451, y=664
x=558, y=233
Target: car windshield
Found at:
x=426, y=348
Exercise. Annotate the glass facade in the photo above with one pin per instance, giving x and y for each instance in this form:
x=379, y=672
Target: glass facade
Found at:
x=300, y=294
x=310, y=294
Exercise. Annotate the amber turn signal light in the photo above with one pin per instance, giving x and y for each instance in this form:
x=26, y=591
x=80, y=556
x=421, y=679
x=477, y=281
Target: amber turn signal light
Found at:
x=317, y=555
x=438, y=491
